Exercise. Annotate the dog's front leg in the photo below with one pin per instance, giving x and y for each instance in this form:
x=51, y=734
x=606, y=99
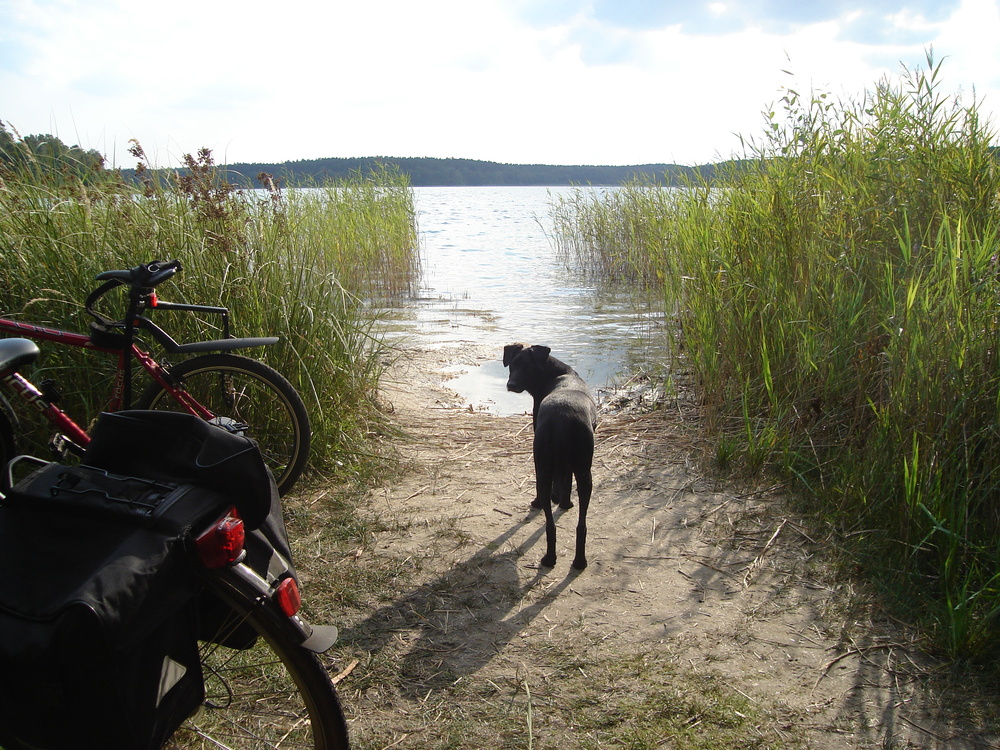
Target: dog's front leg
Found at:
x=543, y=500
x=543, y=479
x=549, y=561
x=562, y=488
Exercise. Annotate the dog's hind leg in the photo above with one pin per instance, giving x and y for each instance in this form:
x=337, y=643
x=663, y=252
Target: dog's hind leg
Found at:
x=584, y=487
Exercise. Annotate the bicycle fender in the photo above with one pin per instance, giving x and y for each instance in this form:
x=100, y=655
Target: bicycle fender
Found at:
x=222, y=345
x=240, y=583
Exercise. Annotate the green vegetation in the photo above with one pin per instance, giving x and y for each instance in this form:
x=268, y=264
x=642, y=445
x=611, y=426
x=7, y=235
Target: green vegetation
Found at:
x=298, y=265
x=837, y=305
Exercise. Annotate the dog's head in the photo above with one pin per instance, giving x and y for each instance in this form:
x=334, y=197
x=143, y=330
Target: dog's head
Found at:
x=526, y=365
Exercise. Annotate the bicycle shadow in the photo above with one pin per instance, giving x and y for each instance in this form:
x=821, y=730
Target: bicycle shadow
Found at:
x=458, y=623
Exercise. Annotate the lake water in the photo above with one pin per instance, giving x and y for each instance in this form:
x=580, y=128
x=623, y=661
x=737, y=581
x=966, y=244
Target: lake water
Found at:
x=491, y=277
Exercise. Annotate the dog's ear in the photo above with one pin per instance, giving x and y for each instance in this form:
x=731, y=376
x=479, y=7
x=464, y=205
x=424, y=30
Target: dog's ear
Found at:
x=540, y=353
x=509, y=352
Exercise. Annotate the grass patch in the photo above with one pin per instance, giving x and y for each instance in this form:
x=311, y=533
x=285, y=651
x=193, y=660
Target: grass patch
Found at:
x=570, y=697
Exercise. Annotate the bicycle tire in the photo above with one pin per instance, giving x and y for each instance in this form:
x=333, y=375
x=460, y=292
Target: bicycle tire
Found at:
x=245, y=392
x=274, y=694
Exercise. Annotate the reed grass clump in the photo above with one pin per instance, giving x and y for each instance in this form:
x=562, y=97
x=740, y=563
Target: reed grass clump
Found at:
x=610, y=234
x=837, y=297
x=299, y=264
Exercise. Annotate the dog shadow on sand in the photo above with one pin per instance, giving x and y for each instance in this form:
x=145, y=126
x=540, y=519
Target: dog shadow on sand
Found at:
x=453, y=626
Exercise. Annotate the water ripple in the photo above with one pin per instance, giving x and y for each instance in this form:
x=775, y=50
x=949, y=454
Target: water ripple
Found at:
x=491, y=276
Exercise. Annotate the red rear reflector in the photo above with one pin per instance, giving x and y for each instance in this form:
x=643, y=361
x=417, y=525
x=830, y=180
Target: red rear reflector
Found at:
x=287, y=596
x=222, y=542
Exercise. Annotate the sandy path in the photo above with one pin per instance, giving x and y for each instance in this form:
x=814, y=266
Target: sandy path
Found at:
x=719, y=581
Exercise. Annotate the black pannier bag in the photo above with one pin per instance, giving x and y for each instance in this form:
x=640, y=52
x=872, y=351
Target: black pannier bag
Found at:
x=100, y=611
x=98, y=630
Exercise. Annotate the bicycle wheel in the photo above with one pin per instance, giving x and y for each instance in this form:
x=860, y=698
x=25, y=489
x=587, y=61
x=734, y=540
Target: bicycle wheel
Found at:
x=248, y=397
x=275, y=694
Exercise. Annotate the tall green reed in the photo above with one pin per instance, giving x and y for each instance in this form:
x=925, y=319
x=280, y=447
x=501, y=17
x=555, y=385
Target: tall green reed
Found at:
x=836, y=297
x=614, y=235
x=299, y=264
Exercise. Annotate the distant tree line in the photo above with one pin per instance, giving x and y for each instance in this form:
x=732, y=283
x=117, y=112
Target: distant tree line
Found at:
x=47, y=155
x=423, y=172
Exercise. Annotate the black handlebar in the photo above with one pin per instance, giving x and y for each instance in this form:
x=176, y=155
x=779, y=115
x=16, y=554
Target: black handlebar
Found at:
x=141, y=279
x=145, y=276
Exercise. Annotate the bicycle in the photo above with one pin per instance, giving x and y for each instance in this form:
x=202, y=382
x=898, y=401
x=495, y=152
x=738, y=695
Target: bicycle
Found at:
x=255, y=682
x=232, y=391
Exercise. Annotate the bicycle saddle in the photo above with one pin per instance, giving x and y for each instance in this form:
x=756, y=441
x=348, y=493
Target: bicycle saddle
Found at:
x=15, y=353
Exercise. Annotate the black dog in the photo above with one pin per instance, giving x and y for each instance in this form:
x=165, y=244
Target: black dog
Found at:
x=564, y=417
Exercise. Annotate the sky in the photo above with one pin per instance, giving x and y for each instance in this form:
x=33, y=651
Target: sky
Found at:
x=616, y=82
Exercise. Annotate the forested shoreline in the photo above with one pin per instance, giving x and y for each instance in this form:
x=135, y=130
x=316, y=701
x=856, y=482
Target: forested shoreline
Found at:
x=434, y=172
x=49, y=152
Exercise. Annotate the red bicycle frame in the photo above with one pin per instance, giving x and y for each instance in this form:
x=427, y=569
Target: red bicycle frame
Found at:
x=53, y=413
x=118, y=337
x=59, y=418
